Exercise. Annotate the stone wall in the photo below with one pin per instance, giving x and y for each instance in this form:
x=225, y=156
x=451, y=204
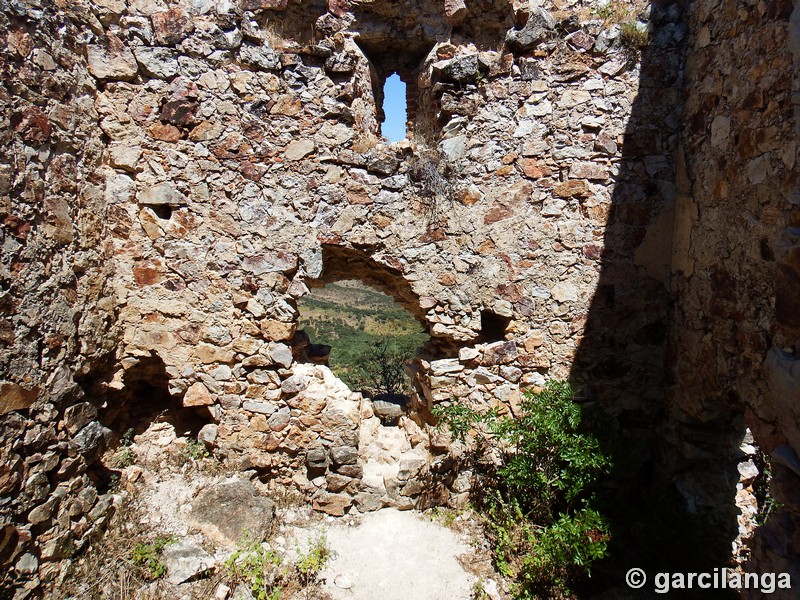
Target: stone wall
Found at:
x=732, y=272
x=243, y=167
x=58, y=308
x=185, y=171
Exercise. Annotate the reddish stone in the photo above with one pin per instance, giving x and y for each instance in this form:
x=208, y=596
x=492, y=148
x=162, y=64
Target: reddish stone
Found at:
x=593, y=251
x=433, y=235
x=573, y=187
x=20, y=41
x=330, y=239
x=510, y=292
x=501, y=67
x=32, y=125
x=332, y=504
x=9, y=544
x=165, y=133
x=205, y=131
x=470, y=196
x=497, y=213
x=118, y=221
x=233, y=146
x=148, y=273
x=534, y=169
x=180, y=112
x=487, y=247
x=445, y=51
x=253, y=172
x=581, y=39
x=455, y=11
x=358, y=198
x=9, y=478
x=172, y=26
x=338, y=7
x=18, y=228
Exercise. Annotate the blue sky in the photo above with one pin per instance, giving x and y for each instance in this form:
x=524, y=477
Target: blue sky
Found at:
x=394, y=107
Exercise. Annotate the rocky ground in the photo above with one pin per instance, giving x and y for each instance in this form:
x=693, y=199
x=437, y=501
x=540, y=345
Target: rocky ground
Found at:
x=183, y=528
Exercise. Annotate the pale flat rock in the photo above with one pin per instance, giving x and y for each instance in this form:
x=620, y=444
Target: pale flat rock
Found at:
x=185, y=560
x=394, y=555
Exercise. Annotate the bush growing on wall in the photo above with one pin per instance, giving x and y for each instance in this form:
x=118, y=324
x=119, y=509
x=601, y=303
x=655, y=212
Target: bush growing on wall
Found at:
x=380, y=369
x=539, y=504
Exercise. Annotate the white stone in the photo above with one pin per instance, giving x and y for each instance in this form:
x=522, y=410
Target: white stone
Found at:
x=564, y=291
x=161, y=63
x=120, y=65
x=299, y=149
x=720, y=131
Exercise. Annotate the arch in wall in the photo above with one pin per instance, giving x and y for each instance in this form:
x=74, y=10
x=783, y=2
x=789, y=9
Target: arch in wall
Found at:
x=341, y=262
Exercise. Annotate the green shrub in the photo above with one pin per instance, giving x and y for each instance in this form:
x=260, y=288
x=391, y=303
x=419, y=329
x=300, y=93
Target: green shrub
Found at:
x=123, y=457
x=540, y=508
x=195, y=450
x=632, y=36
x=149, y=555
x=380, y=369
x=309, y=565
x=253, y=564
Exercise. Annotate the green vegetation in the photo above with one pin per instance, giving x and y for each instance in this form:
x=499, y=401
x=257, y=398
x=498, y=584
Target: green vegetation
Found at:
x=538, y=505
x=312, y=562
x=195, y=450
x=253, y=564
x=767, y=504
x=632, y=36
x=124, y=456
x=607, y=11
x=149, y=555
x=267, y=574
x=363, y=326
x=379, y=369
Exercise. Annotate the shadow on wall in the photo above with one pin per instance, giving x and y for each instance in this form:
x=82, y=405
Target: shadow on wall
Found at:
x=123, y=412
x=623, y=362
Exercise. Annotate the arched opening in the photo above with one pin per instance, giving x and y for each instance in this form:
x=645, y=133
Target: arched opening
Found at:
x=393, y=127
x=366, y=338
x=364, y=322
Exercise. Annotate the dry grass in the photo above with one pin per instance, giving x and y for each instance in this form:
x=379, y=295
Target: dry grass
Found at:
x=614, y=12
x=107, y=570
x=365, y=142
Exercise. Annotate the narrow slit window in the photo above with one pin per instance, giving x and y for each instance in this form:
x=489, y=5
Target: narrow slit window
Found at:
x=393, y=127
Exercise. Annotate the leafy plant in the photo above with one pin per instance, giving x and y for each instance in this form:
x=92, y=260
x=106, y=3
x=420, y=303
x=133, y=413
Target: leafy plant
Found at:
x=255, y=565
x=149, y=555
x=539, y=510
x=605, y=11
x=313, y=561
x=123, y=457
x=195, y=449
x=767, y=504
